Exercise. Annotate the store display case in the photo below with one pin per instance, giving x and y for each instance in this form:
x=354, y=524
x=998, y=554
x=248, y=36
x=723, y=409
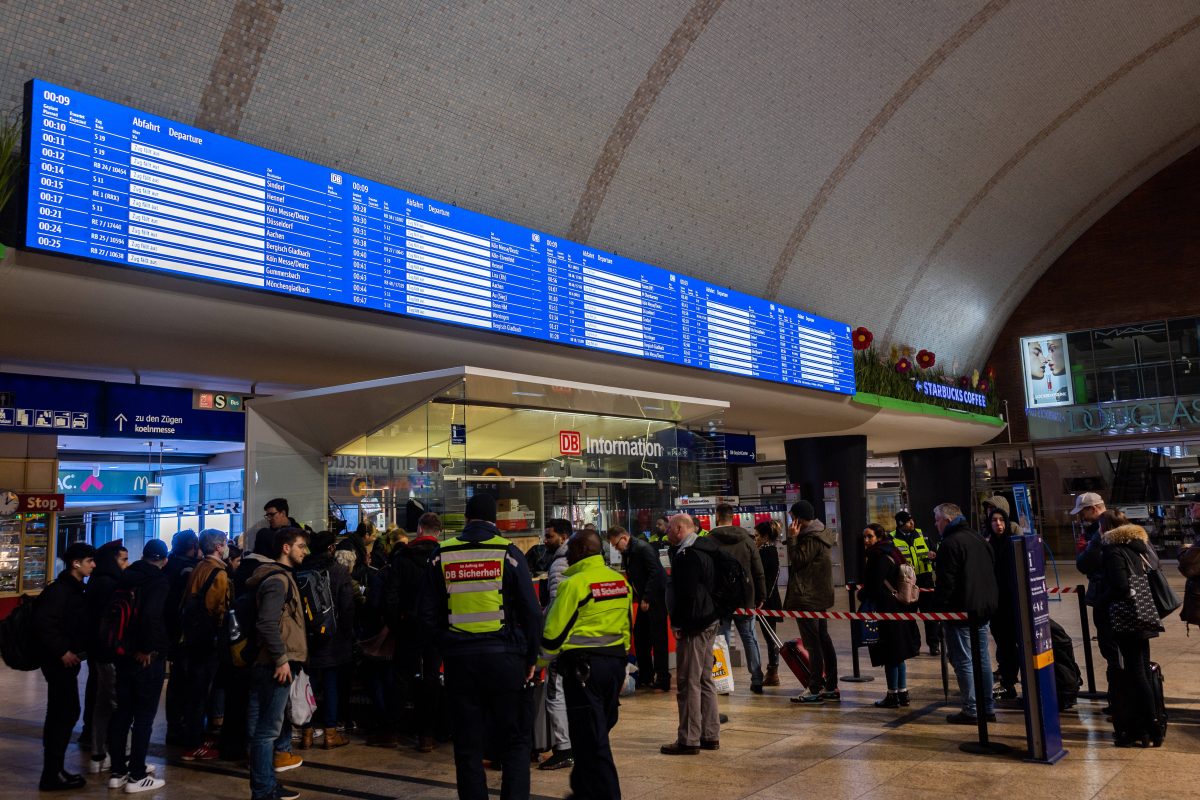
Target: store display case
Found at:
x=26, y=553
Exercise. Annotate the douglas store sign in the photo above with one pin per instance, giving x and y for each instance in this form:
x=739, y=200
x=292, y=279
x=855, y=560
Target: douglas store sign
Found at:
x=1108, y=419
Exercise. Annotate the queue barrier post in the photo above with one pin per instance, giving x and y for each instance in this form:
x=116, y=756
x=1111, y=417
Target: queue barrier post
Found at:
x=857, y=677
x=1087, y=645
x=984, y=746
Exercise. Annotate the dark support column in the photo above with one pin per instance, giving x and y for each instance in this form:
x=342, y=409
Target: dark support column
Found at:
x=811, y=463
x=937, y=475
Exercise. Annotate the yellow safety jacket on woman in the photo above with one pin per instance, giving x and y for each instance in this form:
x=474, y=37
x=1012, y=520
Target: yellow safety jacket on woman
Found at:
x=590, y=613
x=474, y=576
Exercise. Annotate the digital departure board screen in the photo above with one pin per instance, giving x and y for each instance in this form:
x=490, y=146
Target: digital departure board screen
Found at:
x=111, y=183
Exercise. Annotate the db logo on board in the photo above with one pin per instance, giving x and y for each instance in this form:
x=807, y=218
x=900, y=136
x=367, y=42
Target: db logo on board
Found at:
x=570, y=443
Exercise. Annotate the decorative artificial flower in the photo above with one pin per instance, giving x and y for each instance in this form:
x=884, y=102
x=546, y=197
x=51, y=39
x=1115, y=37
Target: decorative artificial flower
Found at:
x=964, y=382
x=862, y=338
x=975, y=378
x=926, y=359
x=984, y=385
x=904, y=366
x=990, y=372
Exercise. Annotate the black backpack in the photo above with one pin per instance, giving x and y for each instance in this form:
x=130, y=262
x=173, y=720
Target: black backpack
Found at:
x=198, y=627
x=316, y=601
x=729, y=584
x=117, y=637
x=237, y=642
x=18, y=636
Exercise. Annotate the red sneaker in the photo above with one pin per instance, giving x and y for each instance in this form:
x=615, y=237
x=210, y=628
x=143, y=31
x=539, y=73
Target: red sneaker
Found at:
x=202, y=753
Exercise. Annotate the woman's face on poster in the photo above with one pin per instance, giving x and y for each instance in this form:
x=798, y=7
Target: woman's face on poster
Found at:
x=1056, y=356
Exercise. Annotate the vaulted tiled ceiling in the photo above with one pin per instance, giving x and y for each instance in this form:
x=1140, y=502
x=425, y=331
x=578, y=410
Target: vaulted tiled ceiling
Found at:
x=909, y=166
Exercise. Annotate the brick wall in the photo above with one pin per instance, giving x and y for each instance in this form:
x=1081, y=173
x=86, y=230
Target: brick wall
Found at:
x=1140, y=261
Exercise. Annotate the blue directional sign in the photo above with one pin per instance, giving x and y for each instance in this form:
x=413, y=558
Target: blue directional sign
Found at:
x=49, y=405
x=115, y=184
x=159, y=412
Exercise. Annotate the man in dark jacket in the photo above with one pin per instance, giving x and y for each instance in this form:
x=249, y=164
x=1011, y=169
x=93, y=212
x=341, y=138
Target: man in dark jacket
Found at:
x=966, y=581
x=140, y=677
x=420, y=653
x=205, y=600
x=694, y=618
x=999, y=532
x=111, y=559
x=61, y=621
x=327, y=657
x=489, y=641
x=646, y=575
x=738, y=543
x=810, y=588
x=185, y=555
x=1089, y=508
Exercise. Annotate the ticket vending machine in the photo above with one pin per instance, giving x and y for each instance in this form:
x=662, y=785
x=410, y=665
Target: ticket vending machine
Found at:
x=833, y=523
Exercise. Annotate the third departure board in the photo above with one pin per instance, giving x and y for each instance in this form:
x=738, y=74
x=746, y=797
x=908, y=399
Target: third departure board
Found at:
x=111, y=183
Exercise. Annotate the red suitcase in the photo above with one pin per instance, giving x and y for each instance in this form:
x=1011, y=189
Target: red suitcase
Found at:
x=794, y=655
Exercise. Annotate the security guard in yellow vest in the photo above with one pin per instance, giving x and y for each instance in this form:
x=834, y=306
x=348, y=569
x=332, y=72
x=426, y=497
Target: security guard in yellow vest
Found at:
x=587, y=629
x=916, y=549
x=478, y=604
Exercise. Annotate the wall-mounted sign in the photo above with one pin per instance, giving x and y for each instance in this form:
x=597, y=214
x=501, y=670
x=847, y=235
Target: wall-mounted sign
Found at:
x=740, y=448
x=33, y=404
x=40, y=503
x=217, y=401
x=458, y=434
x=106, y=482
x=952, y=393
x=570, y=443
x=1046, y=372
x=1166, y=415
x=160, y=412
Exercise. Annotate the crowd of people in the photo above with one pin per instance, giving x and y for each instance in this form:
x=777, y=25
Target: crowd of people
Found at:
x=455, y=639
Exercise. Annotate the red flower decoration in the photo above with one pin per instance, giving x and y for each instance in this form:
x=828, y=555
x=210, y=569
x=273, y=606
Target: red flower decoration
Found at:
x=862, y=338
x=990, y=372
x=903, y=366
x=964, y=382
x=984, y=386
x=926, y=359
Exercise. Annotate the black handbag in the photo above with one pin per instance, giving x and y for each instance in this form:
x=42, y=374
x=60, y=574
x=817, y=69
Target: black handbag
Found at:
x=1165, y=599
x=1136, y=613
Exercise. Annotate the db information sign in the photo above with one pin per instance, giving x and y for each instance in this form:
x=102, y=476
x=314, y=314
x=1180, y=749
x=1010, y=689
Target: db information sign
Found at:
x=570, y=443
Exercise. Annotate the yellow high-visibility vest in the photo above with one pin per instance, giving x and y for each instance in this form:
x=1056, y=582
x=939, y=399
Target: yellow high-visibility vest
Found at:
x=474, y=576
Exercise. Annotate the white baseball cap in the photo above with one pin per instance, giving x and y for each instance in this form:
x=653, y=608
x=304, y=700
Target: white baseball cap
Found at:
x=1086, y=500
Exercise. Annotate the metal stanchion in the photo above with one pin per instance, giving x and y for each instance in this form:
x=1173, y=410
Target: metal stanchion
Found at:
x=983, y=746
x=1087, y=646
x=945, y=663
x=857, y=677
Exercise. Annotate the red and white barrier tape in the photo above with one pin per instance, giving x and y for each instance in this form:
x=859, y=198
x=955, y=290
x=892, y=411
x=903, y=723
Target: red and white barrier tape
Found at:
x=1050, y=590
x=945, y=616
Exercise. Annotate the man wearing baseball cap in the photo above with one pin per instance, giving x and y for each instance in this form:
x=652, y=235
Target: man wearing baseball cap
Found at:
x=1089, y=507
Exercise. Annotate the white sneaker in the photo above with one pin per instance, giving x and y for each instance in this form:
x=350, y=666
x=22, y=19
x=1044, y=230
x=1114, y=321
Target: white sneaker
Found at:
x=146, y=784
x=117, y=781
x=103, y=765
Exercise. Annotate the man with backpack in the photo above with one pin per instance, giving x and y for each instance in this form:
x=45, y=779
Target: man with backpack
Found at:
x=60, y=624
x=205, y=601
x=185, y=555
x=810, y=588
x=282, y=648
x=694, y=617
x=328, y=603
x=420, y=661
x=135, y=631
x=738, y=544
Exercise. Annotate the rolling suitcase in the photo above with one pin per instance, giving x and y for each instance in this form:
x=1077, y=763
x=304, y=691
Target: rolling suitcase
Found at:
x=794, y=655
x=1124, y=714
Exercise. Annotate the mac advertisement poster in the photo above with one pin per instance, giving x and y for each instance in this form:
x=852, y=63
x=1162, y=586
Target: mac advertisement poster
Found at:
x=1046, y=371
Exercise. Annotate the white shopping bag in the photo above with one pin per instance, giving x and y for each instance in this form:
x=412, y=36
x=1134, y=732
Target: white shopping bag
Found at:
x=301, y=701
x=721, y=673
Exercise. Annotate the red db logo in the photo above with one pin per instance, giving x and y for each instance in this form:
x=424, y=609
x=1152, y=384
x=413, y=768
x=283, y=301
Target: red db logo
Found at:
x=570, y=443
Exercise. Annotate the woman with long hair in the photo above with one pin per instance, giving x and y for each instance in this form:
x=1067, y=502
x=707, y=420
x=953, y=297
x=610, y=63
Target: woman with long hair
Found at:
x=898, y=640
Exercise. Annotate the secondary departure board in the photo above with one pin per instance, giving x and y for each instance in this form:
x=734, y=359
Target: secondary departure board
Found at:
x=115, y=184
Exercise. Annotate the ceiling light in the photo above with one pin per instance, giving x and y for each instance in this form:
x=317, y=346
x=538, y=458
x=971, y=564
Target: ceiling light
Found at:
x=653, y=408
x=529, y=394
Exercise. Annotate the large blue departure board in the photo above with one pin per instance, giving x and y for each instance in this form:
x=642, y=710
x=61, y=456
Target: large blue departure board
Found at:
x=111, y=183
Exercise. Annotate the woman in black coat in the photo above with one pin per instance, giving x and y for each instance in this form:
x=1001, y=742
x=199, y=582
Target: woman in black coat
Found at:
x=329, y=658
x=1126, y=556
x=766, y=536
x=898, y=640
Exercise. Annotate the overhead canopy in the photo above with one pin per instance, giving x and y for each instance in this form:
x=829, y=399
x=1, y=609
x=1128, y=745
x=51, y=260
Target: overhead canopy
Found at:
x=338, y=419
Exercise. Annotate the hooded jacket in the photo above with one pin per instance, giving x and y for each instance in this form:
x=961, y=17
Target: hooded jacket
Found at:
x=966, y=572
x=1123, y=550
x=60, y=619
x=1091, y=563
x=1002, y=554
x=689, y=596
x=100, y=587
x=282, y=637
x=810, y=569
x=738, y=542
x=1001, y=502
x=556, y=567
x=151, y=588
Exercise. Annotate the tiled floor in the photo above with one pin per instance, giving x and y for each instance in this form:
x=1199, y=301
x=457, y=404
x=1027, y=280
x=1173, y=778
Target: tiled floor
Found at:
x=769, y=749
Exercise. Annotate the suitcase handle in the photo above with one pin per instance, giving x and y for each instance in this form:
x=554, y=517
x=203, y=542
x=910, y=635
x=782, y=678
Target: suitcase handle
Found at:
x=770, y=632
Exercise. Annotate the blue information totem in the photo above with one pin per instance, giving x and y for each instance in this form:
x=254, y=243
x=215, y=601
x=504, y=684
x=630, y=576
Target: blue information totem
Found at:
x=1042, y=729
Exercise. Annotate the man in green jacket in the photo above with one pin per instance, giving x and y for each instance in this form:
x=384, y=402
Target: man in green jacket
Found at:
x=810, y=588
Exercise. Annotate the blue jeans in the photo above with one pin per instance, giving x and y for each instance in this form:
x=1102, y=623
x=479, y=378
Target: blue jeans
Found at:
x=897, y=676
x=264, y=727
x=138, y=690
x=958, y=649
x=745, y=629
